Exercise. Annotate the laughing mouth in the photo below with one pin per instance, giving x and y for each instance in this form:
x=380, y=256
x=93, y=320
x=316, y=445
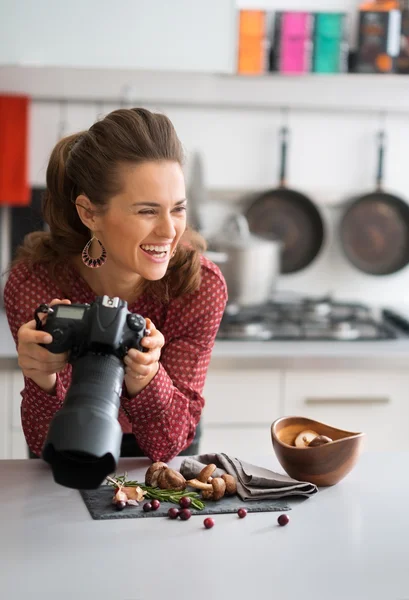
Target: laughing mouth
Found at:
x=157, y=251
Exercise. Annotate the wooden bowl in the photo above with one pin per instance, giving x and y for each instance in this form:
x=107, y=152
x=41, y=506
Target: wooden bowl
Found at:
x=322, y=465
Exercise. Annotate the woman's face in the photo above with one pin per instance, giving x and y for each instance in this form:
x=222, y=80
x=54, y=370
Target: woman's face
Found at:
x=145, y=222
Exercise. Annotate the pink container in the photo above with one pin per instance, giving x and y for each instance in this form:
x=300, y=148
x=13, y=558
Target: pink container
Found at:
x=296, y=42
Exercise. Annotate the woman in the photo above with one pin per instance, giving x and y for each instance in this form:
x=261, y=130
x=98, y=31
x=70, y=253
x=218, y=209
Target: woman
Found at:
x=116, y=209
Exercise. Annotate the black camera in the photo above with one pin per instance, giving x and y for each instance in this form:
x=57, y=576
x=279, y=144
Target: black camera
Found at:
x=83, y=443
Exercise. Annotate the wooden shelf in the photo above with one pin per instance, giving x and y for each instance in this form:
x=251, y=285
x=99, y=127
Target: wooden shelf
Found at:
x=343, y=92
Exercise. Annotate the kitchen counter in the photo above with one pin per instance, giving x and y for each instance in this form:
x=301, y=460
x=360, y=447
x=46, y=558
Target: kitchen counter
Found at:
x=347, y=541
x=391, y=354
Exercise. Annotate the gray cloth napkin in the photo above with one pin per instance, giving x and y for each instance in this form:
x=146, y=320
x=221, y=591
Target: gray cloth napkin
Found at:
x=253, y=483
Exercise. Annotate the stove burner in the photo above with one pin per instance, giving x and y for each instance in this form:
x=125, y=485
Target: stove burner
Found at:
x=239, y=327
x=344, y=330
x=319, y=308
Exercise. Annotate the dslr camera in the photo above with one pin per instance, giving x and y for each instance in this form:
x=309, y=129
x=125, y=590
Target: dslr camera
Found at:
x=83, y=443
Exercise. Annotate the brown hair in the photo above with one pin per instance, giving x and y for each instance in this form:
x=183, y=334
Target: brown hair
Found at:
x=89, y=163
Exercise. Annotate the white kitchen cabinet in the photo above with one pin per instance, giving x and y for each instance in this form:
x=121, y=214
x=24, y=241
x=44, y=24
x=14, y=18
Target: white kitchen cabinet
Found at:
x=180, y=35
x=4, y=415
x=374, y=402
x=240, y=407
x=236, y=440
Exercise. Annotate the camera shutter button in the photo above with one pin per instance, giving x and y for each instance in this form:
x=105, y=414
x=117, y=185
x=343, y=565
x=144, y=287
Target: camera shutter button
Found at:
x=134, y=322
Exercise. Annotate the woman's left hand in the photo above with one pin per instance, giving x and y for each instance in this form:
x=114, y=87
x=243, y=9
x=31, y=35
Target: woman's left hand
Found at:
x=141, y=367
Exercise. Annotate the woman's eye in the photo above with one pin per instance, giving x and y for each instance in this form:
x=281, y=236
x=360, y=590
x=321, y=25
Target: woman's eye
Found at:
x=180, y=208
x=148, y=211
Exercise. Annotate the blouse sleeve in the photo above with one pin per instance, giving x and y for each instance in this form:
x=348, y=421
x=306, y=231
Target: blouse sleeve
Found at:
x=165, y=414
x=37, y=406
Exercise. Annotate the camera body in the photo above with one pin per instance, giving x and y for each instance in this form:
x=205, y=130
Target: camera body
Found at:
x=83, y=442
x=104, y=326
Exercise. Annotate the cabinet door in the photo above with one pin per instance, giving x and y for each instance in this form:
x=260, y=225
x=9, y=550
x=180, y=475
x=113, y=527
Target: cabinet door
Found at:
x=375, y=403
x=242, y=396
x=181, y=35
x=242, y=442
x=4, y=415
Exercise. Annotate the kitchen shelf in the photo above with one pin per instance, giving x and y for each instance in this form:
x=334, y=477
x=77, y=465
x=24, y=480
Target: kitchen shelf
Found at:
x=339, y=92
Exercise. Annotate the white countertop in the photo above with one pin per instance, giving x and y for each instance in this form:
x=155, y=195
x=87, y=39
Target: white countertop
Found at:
x=348, y=541
x=391, y=354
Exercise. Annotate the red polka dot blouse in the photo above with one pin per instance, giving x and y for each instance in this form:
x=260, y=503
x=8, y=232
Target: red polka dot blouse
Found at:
x=163, y=416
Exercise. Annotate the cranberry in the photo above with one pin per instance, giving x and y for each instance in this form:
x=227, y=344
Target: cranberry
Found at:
x=283, y=520
x=173, y=513
x=147, y=507
x=185, y=501
x=155, y=504
x=185, y=514
x=242, y=512
x=120, y=505
x=208, y=523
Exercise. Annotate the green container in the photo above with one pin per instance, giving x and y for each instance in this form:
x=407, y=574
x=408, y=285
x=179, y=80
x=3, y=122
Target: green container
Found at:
x=330, y=43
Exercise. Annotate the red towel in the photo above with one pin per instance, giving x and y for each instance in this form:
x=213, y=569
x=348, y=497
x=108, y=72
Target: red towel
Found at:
x=14, y=186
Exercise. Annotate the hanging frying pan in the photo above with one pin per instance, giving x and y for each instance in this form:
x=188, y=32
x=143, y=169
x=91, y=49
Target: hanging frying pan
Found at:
x=289, y=216
x=374, y=230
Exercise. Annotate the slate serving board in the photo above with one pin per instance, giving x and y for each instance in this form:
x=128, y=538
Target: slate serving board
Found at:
x=100, y=507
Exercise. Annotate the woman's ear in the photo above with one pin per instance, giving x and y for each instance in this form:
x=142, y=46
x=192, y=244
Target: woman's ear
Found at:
x=86, y=211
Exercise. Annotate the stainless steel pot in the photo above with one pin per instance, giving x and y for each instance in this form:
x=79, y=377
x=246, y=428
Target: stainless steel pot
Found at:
x=250, y=264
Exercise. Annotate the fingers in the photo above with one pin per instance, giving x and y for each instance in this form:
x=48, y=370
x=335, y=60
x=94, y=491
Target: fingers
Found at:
x=34, y=358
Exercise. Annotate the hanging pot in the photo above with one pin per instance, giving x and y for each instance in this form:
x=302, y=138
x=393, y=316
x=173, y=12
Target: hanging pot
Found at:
x=374, y=230
x=290, y=216
x=250, y=264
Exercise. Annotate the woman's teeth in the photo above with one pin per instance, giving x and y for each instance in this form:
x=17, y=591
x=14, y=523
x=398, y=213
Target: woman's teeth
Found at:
x=159, y=251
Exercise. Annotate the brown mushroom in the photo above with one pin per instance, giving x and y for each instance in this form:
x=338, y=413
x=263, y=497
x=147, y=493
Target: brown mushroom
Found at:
x=169, y=479
x=219, y=488
x=199, y=485
x=152, y=474
x=231, y=484
x=319, y=440
x=207, y=494
x=206, y=472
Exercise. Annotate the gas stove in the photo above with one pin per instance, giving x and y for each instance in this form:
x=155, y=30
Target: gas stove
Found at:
x=307, y=318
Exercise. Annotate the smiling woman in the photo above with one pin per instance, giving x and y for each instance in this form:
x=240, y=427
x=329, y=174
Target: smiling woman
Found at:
x=116, y=209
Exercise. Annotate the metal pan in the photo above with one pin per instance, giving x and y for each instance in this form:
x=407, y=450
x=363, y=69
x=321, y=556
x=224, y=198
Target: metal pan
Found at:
x=374, y=230
x=289, y=216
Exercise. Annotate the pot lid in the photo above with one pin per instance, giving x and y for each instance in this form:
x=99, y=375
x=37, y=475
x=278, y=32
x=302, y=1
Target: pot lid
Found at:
x=235, y=233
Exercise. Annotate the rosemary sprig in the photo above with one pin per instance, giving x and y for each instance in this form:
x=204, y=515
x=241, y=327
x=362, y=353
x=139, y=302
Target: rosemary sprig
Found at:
x=155, y=492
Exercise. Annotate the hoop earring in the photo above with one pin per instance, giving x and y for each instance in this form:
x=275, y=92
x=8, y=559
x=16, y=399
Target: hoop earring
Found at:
x=93, y=263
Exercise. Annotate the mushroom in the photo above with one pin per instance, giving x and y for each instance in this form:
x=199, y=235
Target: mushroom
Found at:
x=210, y=491
x=200, y=485
x=219, y=488
x=152, y=474
x=206, y=473
x=231, y=484
x=169, y=479
x=319, y=440
x=304, y=438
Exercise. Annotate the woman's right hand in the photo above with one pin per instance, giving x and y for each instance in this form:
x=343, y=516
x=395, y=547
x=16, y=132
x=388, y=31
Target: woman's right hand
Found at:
x=37, y=362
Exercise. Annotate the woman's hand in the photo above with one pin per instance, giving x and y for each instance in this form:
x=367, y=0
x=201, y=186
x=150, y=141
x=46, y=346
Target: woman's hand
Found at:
x=141, y=367
x=36, y=362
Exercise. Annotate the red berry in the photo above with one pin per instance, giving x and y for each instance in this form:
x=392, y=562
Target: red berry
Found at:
x=173, y=513
x=155, y=504
x=147, y=507
x=120, y=505
x=208, y=523
x=283, y=520
x=185, y=514
x=242, y=512
x=185, y=502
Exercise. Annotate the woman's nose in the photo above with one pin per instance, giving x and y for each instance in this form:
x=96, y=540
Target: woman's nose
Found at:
x=166, y=227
